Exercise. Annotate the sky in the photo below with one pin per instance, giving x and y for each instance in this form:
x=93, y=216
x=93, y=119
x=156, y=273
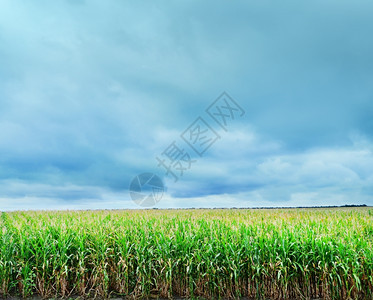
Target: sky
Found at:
x=94, y=93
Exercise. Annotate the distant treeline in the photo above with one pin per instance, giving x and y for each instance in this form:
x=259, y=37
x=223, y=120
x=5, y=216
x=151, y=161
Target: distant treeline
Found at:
x=271, y=207
x=323, y=206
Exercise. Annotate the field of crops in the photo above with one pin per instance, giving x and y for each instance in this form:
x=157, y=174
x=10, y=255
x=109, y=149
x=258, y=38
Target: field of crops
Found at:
x=276, y=254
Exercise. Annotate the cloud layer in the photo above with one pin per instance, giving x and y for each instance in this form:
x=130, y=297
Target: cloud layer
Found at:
x=92, y=92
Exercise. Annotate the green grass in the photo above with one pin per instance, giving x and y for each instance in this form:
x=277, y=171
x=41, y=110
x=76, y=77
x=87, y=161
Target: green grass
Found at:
x=277, y=254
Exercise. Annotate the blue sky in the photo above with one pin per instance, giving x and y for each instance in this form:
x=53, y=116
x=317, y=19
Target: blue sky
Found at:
x=91, y=92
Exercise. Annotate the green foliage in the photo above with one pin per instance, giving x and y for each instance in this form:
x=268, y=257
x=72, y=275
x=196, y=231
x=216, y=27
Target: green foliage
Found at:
x=276, y=254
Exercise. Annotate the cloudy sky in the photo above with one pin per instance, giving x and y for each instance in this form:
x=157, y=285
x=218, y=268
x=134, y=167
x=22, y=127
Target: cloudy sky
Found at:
x=93, y=92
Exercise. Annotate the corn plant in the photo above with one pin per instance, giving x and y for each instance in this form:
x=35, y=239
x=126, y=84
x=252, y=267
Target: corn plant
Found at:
x=275, y=254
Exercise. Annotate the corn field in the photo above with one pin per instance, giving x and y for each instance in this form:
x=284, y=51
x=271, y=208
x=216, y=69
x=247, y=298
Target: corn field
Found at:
x=206, y=254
